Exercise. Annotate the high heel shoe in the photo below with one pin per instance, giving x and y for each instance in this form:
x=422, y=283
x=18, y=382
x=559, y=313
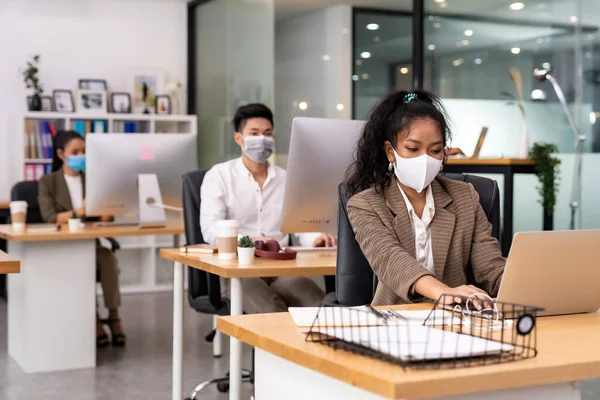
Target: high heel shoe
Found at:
x=118, y=339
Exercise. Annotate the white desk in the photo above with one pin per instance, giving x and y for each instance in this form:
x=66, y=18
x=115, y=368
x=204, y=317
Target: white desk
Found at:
x=52, y=302
x=306, y=264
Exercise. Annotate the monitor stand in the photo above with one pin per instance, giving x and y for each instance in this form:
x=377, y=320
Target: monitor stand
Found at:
x=152, y=213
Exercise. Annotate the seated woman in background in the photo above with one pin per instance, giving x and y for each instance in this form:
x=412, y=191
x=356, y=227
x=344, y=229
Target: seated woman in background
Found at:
x=419, y=231
x=61, y=196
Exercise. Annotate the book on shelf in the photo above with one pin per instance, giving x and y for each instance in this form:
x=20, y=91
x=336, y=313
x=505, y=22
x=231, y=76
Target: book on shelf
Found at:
x=34, y=171
x=84, y=127
x=38, y=138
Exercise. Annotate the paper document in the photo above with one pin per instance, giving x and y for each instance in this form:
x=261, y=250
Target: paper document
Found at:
x=416, y=342
x=304, y=317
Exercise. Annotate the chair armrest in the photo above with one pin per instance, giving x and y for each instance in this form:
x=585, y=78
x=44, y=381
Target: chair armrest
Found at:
x=113, y=244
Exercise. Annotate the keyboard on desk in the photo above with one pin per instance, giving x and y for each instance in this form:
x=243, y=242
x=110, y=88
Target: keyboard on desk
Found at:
x=301, y=249
x=115, y=224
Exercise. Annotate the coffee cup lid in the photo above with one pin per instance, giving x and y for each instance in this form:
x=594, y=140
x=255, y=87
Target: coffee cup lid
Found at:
x=228, y=223
x=18, y=203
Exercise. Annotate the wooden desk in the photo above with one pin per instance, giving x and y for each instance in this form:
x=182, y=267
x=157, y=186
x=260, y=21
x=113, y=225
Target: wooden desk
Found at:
x=9, y=265
x=569, y=351
x=508, y=167
x=52, y=302
x=306, y=264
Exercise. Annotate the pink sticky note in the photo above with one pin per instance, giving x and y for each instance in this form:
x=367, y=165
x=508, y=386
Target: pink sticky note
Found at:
x=146, y=153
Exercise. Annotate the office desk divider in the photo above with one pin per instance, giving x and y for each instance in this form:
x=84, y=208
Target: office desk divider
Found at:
x=465, y=334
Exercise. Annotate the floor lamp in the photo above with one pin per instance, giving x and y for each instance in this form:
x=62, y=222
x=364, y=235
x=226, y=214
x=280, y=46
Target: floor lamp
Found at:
x=545, y=74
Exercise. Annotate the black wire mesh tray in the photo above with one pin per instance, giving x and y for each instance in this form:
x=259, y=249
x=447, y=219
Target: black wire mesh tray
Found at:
x=451, y=334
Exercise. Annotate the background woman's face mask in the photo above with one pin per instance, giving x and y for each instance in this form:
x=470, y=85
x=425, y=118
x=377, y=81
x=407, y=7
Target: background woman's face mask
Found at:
x=258, y=148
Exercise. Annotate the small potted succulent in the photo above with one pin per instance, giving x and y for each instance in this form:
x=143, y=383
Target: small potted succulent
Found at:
x=74, y=223
x=245, y=251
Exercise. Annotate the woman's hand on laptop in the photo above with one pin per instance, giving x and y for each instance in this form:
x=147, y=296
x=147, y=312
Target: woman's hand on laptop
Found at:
x=325, y=240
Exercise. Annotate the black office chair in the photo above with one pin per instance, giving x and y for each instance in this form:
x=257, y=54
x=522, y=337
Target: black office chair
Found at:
x=355, y=280
x=204, y=289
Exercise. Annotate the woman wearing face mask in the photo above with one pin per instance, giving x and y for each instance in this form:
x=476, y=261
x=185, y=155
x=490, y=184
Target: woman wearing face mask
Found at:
x=62, y=196
x=419, y=231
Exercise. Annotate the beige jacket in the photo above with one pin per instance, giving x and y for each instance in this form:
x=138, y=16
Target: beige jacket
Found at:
x=460, y=233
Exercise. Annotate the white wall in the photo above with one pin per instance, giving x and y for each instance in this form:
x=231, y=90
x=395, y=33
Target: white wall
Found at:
x=105, y=39
x=312, y=64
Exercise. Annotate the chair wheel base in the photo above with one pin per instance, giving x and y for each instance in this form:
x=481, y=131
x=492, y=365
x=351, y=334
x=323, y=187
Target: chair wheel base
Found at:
x=223, y=387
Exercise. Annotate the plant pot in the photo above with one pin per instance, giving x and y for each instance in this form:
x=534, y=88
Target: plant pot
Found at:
x=36, y=103
x=245, y=255
x=75, y=224
x=548, y=221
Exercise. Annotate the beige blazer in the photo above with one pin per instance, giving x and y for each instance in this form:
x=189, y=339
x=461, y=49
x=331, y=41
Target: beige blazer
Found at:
x=53, y=195
x=460, y=233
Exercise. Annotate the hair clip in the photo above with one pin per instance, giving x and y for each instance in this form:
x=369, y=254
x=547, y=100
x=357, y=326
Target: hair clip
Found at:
x=409, y=97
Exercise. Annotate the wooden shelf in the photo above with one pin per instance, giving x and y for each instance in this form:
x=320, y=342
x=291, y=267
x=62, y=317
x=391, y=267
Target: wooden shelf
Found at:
x=110, y=117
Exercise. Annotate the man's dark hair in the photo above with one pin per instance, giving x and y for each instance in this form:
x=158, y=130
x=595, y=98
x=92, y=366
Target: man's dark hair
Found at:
x=254, y=110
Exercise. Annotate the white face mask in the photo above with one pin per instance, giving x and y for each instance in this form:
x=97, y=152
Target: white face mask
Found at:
x=258, y=148
x=417, y=172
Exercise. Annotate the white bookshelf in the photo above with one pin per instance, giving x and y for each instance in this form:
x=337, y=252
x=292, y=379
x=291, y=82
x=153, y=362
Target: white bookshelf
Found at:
x=142, y=270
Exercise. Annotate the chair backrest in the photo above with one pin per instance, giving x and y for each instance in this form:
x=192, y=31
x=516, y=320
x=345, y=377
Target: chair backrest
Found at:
x=355, y=280
x=28, y=191
x=204, y=289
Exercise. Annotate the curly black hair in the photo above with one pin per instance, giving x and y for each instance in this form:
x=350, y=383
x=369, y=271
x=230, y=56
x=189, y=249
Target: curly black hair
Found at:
x=391, y=116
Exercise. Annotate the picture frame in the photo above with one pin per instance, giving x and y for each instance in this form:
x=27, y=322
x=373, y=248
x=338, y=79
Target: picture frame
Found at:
x=47, y=103
x=91, y=101
x=63, y=100
x=162, y=106
x=145, y=85
x=92, y=84
x=120, y=102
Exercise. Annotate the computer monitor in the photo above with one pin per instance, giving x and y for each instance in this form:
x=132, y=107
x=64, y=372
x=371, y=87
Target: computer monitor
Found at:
x=136, y=176
x=321, y=151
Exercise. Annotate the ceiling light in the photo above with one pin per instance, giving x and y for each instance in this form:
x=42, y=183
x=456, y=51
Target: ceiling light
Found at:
x=573, y=18
x=437, y=25
x=517, y=6
x=546, y=65
x=354, y=77
x=431, y=47
x=458, y=62
x=303, y=105
x=404, y=70
x=340, y=107
x=372, y=27
x=358, y=62
x=515, y=50
x=365, y=54
x=440, y=1
x=443, y=5
x=365, y=76
x=326, y=57
x=465, y=42
x=538, y=94
x=478, y=61
x=469, y=32
x=376, y=39
x=592, y=117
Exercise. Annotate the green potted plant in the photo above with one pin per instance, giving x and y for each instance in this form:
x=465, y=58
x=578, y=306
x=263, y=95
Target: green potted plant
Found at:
x=245, y=250
x=74, y=222
x=547, y=173
x=32, y=81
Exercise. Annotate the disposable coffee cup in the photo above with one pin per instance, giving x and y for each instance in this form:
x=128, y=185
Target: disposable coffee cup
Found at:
x=18, y=215
x=75, y=224
x=227, y=238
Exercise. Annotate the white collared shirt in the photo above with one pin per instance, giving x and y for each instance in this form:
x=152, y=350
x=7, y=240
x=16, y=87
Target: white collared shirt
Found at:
x=421, y=228
x=229, y=191
x=75, y=186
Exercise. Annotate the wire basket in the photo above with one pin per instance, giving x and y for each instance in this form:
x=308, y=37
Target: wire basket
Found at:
x=468, y=333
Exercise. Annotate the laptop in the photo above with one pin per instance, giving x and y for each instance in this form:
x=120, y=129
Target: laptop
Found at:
x=558, y=271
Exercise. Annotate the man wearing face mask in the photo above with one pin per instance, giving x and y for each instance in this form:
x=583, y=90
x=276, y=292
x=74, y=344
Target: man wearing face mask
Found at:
x=250, y=190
